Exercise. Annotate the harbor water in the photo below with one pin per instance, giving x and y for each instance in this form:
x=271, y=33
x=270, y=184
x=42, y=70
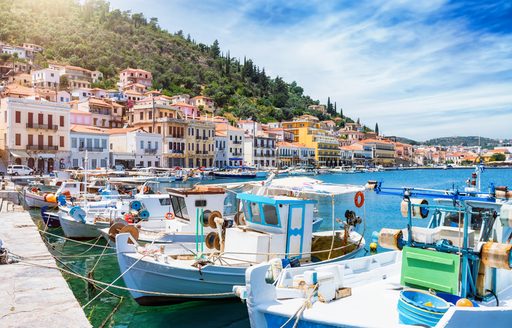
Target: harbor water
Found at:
x=119, y=310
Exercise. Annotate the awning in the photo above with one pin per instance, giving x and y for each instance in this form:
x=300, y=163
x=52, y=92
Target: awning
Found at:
x=44, y=155
x=19, y=153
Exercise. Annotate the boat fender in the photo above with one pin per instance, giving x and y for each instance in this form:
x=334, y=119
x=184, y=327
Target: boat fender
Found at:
x=135, y=205
x=211, y=219
x=77, y=213
x=169, y=216
x=144, y=214
x=359, y=199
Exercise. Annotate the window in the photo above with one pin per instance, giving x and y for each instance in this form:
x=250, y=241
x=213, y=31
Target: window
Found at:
x=40, y=119
x=142, y=144
x=18, y=139
x=141, y=115
x=255, y=211
x=18, y=117
x=104, y=144
x=50, y=140
x=75, y=162
x=156, y=144
x=149, y=144
x=270, y=215
x=150, y=115
x=61, y=120
x=30, y=139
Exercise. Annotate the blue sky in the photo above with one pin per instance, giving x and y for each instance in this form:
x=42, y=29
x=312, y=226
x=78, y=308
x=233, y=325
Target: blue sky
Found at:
x=420, y=69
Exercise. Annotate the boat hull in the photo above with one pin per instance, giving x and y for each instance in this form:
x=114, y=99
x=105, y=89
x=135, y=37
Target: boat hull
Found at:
x=37, y=201
x=185, y=283
x=80, y=230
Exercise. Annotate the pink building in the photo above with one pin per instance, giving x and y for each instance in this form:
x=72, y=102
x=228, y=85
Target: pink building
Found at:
x=80, y=117
x=134, y=75
x=186, y=109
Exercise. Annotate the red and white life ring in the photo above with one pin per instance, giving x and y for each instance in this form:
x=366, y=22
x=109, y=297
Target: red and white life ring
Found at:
x=359, y=199
x=169, y=216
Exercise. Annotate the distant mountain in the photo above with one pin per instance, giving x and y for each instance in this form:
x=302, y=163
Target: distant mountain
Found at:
x=463, y=141
x=406, y=141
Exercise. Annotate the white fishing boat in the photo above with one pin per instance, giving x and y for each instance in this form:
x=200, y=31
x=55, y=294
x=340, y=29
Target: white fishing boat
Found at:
x=274, y=224
x=39, y=197
x=454, y=273
x=173, y=225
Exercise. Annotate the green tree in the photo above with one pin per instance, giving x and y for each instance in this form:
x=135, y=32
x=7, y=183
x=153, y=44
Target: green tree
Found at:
x=498, y=157
x=377, y=128
x=215, y=49
x=63, y=82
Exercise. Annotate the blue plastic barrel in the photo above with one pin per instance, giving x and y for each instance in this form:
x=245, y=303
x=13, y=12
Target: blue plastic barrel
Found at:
x=144, y=214
x=416, y=307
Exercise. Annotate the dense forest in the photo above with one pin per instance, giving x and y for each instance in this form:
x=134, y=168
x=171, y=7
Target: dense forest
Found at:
x=89, y=34
x=463, y=141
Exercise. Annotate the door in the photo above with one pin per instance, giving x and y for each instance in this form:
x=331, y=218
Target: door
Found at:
x=295, y=231
x=50, y=121
x=40, y=119
x=40, y=141
x=50, y=164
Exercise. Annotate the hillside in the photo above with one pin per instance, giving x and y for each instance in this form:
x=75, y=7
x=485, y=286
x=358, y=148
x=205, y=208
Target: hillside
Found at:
x=93, y=36
x=463, y=141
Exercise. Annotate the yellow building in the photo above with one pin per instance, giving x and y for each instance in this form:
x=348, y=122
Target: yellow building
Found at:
x=308, y=131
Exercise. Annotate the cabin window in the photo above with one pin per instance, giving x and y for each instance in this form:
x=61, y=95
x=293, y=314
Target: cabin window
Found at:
x=165, y=201
x=201, y=203
x=179, y=207
x=255, y=211
x=270, y=215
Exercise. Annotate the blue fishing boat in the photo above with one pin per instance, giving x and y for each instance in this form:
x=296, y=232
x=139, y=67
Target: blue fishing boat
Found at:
x=456, y=272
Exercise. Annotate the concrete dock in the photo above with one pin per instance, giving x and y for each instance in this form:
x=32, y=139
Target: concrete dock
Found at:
x=30, y=295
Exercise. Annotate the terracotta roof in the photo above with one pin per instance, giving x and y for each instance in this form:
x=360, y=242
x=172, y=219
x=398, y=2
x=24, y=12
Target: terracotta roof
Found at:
x=219, y=133
x=226, y=127
x=99, y=102
x=77, y=68
x=88, y=129
x=182, y=104
x=16, y=89
x=376, y=141
x=354, y=146
x=138, y=70
x=202, y=97
x=133, y=92
x=124, y=130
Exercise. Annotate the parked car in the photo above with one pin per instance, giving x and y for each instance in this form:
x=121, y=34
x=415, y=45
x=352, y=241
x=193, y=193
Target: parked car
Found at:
x=19, y=170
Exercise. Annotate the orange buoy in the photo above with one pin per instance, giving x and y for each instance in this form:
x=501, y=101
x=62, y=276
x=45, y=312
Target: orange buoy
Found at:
x=464, y=302
x=359, y=199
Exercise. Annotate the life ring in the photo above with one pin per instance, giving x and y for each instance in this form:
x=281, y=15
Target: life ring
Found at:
x=169, y=216
x=359, y=199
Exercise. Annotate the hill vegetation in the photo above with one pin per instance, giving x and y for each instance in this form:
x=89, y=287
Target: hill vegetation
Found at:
x=463, y=141
x=89, y=34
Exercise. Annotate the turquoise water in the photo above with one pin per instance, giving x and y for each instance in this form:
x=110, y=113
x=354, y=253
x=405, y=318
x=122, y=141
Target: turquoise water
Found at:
x=379, y=211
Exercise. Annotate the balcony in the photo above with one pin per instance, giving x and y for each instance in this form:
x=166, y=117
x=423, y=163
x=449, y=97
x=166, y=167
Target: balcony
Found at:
x=174, y=151
x=95, y=149
x=42, y=147
x=237, y=142
x=53, y=127
x=150, y=151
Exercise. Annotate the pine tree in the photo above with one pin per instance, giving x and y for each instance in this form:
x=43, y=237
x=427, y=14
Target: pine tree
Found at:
x=335, y=109
x=377, y=128
x=329, y=105
x=358, y=121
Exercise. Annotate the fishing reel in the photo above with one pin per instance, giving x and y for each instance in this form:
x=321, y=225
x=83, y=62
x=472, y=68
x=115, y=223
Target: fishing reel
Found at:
x=352, y=218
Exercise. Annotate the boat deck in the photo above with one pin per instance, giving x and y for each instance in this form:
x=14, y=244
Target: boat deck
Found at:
x=371, y=305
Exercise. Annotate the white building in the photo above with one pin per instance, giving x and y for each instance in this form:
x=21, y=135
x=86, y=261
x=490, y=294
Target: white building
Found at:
x=81, y=93
x=94, y=141
x=235, y=138
x=221, y=155
x=96, y=76
x=46, y=78
x=135, y=147
x=35, y=133
x=264, y=151
x=14, y=51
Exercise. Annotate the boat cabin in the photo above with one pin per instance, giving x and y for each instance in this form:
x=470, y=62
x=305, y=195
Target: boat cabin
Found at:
x=278, y=226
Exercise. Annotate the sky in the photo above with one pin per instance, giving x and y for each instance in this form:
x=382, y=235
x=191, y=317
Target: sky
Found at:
x=420, y=69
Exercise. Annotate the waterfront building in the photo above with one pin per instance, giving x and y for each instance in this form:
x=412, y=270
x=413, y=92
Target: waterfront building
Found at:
x=403, y=153
x=235, y=137
x=383, y=151
x=221, y=155
x=134, y=147
x=309, y=131
x=92, y=139
x=104, y=113
x=35, y=133
x=294, y=154
x=264, y=150
x=356, y=154
x=200, y=139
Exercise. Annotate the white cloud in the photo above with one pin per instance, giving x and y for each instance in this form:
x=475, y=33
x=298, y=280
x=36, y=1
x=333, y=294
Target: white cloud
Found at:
x=386, y=63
